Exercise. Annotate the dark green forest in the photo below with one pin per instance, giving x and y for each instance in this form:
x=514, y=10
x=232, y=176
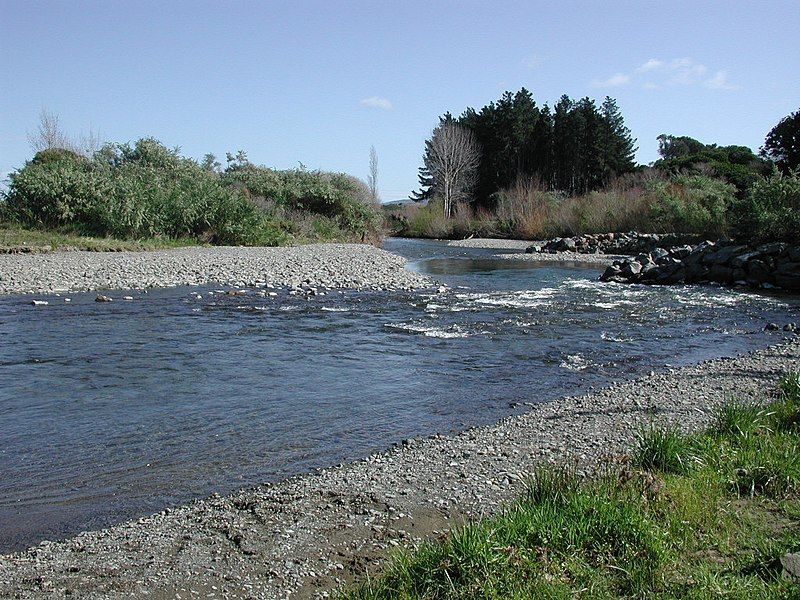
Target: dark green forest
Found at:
x=576, y=147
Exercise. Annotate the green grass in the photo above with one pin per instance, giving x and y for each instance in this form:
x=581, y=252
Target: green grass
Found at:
x=13, y=236
x=690, y=516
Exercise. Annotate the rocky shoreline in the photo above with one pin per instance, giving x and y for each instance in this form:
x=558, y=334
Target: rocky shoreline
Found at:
x=354, y=266
x=612, y=243
x=773, y=265
x=306, y=535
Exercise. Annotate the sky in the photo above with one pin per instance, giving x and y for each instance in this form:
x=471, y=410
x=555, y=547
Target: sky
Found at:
x=318, y=82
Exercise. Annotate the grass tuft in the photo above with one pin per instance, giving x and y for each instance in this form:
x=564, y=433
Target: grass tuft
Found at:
x=740, y=419
x=662, y=449
x=710, y=517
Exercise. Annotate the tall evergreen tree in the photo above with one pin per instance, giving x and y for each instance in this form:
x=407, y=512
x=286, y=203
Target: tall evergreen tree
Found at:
x=619, y=144
x=575, y=147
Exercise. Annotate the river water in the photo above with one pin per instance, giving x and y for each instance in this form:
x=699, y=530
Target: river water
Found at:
x=114, y=410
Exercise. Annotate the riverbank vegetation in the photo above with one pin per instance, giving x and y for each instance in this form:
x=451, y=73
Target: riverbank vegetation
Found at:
x=569, y=171
x=145, y=191
x=694, y=516
x=17, y=239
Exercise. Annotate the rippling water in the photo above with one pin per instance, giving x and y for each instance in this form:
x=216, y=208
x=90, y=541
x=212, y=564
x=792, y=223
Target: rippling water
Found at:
x=109, y=411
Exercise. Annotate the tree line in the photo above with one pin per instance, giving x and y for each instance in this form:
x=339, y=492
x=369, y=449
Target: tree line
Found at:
x=574, y=147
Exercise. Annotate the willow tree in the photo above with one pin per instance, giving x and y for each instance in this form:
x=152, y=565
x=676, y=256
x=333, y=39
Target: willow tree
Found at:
x=452, y=157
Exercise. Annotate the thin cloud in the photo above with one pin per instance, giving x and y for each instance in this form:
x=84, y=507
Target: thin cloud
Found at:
x=685, y=71
x=651, y=65
x=613, y=81
x=377, y=102
x=720, y=82
x=655, y=74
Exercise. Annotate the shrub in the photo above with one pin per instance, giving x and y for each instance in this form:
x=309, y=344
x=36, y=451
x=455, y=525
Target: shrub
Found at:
x=692, y=204
x=146, y=190
x=770, y=210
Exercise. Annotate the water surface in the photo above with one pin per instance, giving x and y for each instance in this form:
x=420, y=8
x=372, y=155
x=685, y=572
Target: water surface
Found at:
x=110, y=411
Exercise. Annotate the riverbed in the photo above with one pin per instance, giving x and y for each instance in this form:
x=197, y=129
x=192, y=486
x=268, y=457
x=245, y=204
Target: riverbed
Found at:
x=115, y=410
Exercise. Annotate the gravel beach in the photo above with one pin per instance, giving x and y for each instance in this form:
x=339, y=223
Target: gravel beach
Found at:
x=518, y=247
x=500, y=244
x=355, y=266
x=600, y=260
x=303, y=536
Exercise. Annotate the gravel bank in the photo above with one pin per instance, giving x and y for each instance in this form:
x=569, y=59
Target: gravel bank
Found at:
x=355, y=266
x=306, y=534
x=565, y=257
x=491, y=243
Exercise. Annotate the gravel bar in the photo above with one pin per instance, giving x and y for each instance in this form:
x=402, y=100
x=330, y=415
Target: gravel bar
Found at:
x=500, y=244
x=304, y=536
x=601, y=260
x=355, y=266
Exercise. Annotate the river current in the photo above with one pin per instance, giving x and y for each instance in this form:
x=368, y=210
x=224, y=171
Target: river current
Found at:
x=110, y=411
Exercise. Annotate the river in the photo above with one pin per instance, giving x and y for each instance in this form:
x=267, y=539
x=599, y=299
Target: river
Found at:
x=110, y=411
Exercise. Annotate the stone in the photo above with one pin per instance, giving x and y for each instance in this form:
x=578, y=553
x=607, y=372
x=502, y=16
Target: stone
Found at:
x=720, y=273
x=659, y=254
x=631, y=269
x=102, y=298
x=773, y=248
x=39, y=302
x=724, y=254
x=758, y=272
x=771, y=327
x=791, y=566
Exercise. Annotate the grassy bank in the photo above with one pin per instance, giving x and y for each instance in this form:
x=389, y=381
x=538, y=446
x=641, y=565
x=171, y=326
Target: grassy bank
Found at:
x=689, y=516
x=13, y=236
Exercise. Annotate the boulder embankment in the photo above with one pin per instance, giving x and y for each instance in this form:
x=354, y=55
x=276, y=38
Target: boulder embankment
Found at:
x=612, y=243
x=772, y=265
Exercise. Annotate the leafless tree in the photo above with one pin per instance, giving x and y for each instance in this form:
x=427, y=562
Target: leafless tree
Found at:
x=454, y=159
x=90, y=142
x=49, y=134
x=372, y=178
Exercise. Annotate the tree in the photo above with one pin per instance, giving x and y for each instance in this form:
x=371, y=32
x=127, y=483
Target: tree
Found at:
x=671, y=147
x=49, y=135
x=620, y=146
x=454, y=159
x=210, y=163
x=372, y=178
x=783, y=143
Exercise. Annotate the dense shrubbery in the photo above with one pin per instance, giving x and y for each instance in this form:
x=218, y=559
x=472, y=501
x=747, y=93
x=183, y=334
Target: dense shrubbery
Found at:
x=692, y=204
x=737, y=165
x=770, y=210
x=147, y=190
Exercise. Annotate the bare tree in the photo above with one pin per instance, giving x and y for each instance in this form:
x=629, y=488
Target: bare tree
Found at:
x=49, y=134
x=454, y=156
x=91, y=142
x=372, y=178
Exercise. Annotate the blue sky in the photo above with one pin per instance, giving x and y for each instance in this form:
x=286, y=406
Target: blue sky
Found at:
x=319, y=82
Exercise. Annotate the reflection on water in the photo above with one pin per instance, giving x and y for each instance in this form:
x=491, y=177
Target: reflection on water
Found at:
x=109, y=411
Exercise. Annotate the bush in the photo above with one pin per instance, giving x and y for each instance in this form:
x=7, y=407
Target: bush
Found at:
x=770, y=210
x=692, y=204
x=148, y=190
